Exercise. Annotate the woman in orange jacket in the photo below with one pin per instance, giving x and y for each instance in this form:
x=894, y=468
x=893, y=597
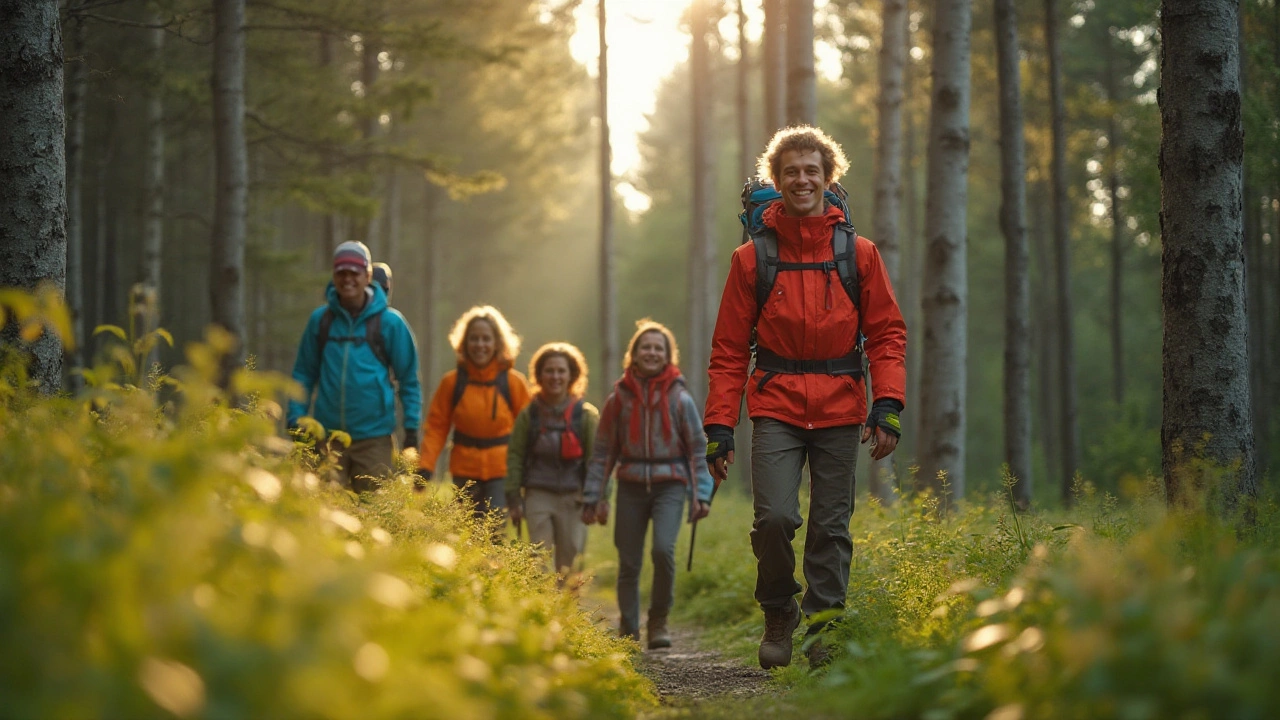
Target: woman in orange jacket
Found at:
x=479, y=401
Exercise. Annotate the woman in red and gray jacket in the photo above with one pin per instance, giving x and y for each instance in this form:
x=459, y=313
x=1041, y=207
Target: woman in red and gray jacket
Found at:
x=651, y=435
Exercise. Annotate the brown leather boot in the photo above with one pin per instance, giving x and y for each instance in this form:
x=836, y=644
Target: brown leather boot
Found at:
x=659, y=637
x=779, y=624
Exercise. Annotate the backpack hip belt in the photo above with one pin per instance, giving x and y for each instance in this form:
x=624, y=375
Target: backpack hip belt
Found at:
x=771, y=363
x=465, y=440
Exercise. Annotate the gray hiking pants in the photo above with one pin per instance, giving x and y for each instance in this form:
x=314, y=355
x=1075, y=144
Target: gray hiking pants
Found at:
x=778, y=455
x=662, y=502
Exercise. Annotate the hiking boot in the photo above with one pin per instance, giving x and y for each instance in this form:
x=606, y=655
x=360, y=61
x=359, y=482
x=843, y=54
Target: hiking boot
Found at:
x=818, y=652
x=779, y=624
x=659, y=637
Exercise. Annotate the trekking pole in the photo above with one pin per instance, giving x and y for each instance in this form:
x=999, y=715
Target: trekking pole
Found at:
x=693, y=540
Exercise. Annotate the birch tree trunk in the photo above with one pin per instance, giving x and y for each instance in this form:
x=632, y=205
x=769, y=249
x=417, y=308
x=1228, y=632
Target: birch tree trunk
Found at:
x=153, y=187
x=230, y=208
x=33, y=179
x=1207, y=412
x=888, y=180
x=1062, y=252
x=609, y=354
x=773, y=66
x=702, y=234
x=75, y=110
x=1017, y=286
x=945, y=292
x=802, y=78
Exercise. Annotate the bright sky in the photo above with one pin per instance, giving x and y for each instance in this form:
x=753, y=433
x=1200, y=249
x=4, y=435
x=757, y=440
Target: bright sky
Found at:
x=645, y=44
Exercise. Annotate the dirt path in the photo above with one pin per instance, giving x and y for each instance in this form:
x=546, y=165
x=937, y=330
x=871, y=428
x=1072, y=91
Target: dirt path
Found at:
x=688, y=674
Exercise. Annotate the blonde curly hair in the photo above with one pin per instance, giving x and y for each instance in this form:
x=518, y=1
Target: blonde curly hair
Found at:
x=803, y=138
x=507, y=340
x=572, y=355
x=647, y=325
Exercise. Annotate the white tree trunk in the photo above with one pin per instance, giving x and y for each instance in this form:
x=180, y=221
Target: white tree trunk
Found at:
x=773, y=66
x=1017, y=286
x=888, y=180
x=1062, y=252
x=802, y=78
x=945, y=292
x=1207, y=411
x=33, y=179
x=231, y=199
x=609, y=354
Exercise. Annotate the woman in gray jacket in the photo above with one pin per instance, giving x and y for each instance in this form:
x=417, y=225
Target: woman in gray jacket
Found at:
x=651, y=435
x=547, y=455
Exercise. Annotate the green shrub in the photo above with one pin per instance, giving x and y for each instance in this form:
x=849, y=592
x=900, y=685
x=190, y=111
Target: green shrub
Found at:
x=175, y=557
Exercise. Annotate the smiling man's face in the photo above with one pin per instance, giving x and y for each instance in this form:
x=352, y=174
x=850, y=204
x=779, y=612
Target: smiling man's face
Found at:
x=801, y=181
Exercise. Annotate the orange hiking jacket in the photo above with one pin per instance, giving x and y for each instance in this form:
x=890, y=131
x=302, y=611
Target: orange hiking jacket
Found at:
x=481, y=414
x=807, y=317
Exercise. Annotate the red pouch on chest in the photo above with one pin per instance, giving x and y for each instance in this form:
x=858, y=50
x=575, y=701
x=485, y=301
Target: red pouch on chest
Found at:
x=570, y=445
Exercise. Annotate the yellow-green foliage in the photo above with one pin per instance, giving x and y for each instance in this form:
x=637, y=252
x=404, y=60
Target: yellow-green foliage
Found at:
x=163, y=553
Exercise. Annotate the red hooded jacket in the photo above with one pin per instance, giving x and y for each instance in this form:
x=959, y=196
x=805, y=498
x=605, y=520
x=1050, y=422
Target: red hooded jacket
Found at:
x=808, y=317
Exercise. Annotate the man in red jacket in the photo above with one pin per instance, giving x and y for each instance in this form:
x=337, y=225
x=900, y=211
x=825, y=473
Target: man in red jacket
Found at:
x=805, y=396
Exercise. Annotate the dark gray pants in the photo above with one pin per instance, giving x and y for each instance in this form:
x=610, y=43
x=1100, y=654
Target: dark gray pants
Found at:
x=778, y=455
x=483, y=495
x=663, y=503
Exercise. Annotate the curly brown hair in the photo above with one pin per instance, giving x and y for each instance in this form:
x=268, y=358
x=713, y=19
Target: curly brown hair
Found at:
x=572, y=355
x=647, y=325
x=508, y=341
x=803, y=138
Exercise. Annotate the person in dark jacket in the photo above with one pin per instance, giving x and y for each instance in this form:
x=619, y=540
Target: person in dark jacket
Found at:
x=548, y=454
x=350, y=378
x=651, y=435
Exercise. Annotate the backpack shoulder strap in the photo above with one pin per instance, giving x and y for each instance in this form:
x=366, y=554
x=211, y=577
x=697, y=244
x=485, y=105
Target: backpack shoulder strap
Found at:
x=503, y=383
x=460, y=385
x=373, y=336
x=322, y=336
x=844, y=248
x=766, y=247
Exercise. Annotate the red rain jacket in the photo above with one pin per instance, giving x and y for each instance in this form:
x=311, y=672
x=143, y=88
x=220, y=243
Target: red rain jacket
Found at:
x=807, y=317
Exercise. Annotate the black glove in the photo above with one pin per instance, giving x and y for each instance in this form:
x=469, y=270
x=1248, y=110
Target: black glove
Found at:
x=412, y=438
x=719, y=441
x=884, y=415
x=420, y=482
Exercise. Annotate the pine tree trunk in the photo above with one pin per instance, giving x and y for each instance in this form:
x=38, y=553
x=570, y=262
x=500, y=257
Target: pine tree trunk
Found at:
x=945, y=293
x=773, y=66
x=1017, y=286
x=1117, y=226
x=230, y=210
x=702, y=236
x=888, y=180
x=153, y=189
x=745, y=145
x=431, y=272
x=33, y=179
x=1044, y=335
x=1255, y=268
x=609, y=353
x=1062, y=253
x=75, y=109
x=1207, y=412
x=370, y=129
x=909, y=297
x=802, y=78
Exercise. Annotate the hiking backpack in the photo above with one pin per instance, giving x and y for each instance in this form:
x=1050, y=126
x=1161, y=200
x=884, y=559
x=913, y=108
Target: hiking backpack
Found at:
x=372, y=336
x=757, y=195
x=502, y=382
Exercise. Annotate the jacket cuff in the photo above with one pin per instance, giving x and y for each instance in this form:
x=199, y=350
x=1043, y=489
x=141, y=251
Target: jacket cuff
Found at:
x=891, y=403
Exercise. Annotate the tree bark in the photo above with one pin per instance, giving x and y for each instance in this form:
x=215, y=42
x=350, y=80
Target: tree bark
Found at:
x=802, y=78
x=745, y=154
x=888, y=179
x=1117, y=225
x=1044, y=334
x=1255, y=269
x=945, y=292
x=75, y=109
x=1062, y=252
x=702, y=234
x=33, y=170
x=431, y=330
x=231, y=159
x=1017, y=286
x=909, y=297
x=153, y=188
x=609, y=354
x=1207, y=412
x=773, y=66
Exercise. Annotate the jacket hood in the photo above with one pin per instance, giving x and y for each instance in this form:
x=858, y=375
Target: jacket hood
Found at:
x=788, y=228
x=377, y=300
